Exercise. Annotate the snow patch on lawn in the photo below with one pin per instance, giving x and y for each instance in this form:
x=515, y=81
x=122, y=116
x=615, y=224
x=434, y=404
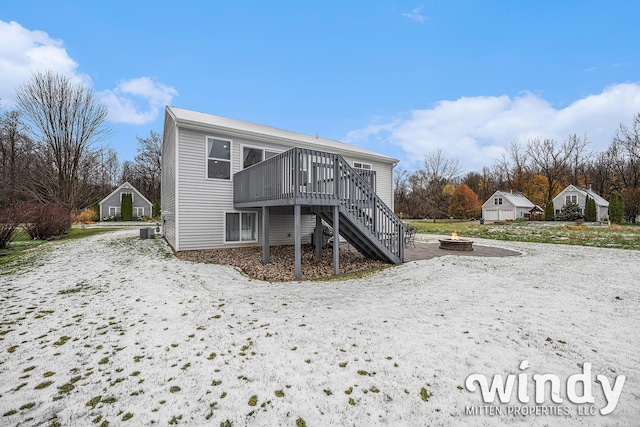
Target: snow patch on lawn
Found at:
x=113, y=328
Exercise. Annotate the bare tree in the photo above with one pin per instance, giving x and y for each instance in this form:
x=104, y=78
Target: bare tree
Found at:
x=15, y=147
x=66, y=121
x=553, y=160
x=439, y=168
x=513, y=166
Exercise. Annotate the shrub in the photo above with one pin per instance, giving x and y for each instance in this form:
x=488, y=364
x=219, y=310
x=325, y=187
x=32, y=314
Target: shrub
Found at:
x=44, y=221
x=570, y=212
x=548, y=211
x=156, y=209
x=86, y=216
x=9, y=221
x=126, y=208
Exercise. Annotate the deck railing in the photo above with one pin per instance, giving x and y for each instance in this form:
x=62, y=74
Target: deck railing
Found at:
x=316, y=178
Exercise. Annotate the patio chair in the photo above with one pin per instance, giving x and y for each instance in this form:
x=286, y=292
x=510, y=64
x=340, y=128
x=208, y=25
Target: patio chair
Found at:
x=410, y=235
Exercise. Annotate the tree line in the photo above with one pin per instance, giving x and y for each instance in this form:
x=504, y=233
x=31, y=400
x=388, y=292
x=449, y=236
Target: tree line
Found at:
x=539, y=168
x=52, y=151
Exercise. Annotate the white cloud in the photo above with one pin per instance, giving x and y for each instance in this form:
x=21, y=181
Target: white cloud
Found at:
x=23, y=52
x=124, y=101
x=476, y=130
x=416, y=15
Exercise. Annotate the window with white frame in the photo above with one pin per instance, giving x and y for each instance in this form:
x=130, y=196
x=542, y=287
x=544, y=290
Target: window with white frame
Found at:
x=497, y=201
x=138, y=211
x=367, y=173
x=253, y=155
x=571, y=198
x=122, y=194
x=218, y=158
x=241, y=227
x=360, y=165
x=114, y=210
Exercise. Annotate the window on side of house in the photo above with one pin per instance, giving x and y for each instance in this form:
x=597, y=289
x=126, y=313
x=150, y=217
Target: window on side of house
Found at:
x=122, y=194
x=497, y=201
x=570, y=199
x=253, y=155
x=367, y=173
x=114, y=210
x=241, y=227
x=138, y=211
x=218, y=158
x=360, y=165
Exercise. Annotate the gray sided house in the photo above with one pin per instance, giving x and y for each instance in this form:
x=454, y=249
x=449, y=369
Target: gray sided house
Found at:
x=505, y=205
x=229, y=183
x=578, y=195
x=110, y=205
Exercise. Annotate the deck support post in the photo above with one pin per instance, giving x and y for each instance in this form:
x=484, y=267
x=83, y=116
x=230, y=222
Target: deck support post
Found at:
x=265, y=235
x=318, y=237
x=297, y=242
x=336, y=240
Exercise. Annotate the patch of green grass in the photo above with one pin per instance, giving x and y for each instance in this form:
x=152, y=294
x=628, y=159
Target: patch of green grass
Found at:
x=66, y=388
x=279, y=393
x=425, y=395
x=127, y=416
x=625, y=237
x=253, y=400
x=103, y=361
x=48, y=374
x=94, y=401
x=109, y=400
x=12, y=349
x=212, y=356
x=42, y=385
x=300, y=422
x=28, y=406
x=174, y=389
x=216, y=383
x=9, y=413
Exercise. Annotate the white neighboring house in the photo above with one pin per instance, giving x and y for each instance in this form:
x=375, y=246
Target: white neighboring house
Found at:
x=578, y=195
x=230, y=183
x=505, y=205
x=110, y=205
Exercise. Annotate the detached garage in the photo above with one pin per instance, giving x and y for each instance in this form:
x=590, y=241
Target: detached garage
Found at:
x=504, y=205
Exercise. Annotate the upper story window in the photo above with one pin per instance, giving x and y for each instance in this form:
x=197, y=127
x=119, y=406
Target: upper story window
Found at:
x=253, y=155
x=497, y=201
x=218, y=158
x=360, y=165
x=122, y=194
x=571, y=198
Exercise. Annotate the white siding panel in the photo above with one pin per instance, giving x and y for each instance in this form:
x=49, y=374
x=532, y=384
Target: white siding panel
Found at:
x=168, y=181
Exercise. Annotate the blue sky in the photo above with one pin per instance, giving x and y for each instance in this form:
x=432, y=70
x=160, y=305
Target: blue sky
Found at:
x=400, y=77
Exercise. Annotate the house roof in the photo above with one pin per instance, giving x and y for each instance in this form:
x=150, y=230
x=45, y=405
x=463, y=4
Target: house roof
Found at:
x=196, y=119
x=585, y=191
x=128, y=187
x=518, y=200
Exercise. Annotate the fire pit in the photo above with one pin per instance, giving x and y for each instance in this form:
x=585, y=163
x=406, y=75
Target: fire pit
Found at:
x=455, y=243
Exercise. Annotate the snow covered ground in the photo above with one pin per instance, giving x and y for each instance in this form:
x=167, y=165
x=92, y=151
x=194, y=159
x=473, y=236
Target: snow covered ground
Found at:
x=113, y=328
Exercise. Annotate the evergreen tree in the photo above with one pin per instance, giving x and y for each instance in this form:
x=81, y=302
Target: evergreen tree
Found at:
x=548, y=211
x=616, y=208
x=570, y=212
x=126, y=208
x=590, y=213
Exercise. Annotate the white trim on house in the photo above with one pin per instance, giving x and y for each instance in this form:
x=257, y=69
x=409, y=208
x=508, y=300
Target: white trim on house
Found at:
x=132, y=196
x=116, y=210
